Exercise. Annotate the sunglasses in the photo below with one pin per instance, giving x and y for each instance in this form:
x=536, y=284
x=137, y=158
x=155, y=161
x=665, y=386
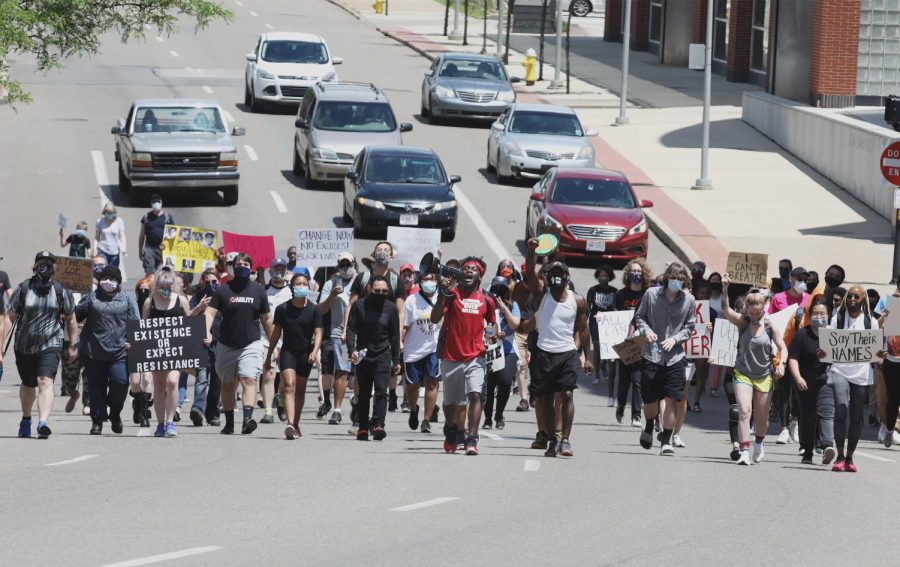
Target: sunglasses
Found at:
x=380, y=291
x=854, y=296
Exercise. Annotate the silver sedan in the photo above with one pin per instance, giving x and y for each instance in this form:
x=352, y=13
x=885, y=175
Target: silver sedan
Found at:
x=466, y=85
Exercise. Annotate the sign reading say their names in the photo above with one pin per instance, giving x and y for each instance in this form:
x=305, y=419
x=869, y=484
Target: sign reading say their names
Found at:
x=77, y=274
x=494, y=356
x=167, y=343
x=845, y=345
x=752, y=269
x=410, y=244
x=630, y=350
x=318, y=247
x=612, y=329
x=724, y=343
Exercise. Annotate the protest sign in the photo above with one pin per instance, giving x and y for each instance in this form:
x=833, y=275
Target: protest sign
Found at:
x=724, y=343
x=317, y=247
x=77, y=274
x=62, y=220
x=282, y=296
x=781, y=319
x=630, y=350
x=410, y=244
x=698, y=346
x=260, y=248
x=701, y=311
x=892, y=323
x=166, y=343
x=189, y=249
x=494, y=357
x=752, y=269
x=612, y=329
x=845, y=345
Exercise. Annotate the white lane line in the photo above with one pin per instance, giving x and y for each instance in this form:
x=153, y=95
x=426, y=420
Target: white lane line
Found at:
x=254, y=14
x=174, y=53
x=269, y=26
x=207, y=90
x=426, y=504
x=228, y=116
x=483, y=227
x=238, y=3
x=251, y=153
x=160, y=39
x=874, y=457
x=71, y=461
x=492, y=436
x=101, y=175
x=279, y=203
x=165, y=557
x=531, y=465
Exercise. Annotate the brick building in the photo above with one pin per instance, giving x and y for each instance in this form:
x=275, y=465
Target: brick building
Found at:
x=830, y=53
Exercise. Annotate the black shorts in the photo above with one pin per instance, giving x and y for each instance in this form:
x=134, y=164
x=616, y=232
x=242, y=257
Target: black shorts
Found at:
x=30, y=366
x=297, y=361
x=553, y=372
x=326, y=353
x=658, y=382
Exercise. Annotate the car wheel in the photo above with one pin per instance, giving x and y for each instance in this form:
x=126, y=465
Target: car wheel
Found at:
x=424, y=111
x=580, y=8
x=255, y=104
x=231, y=196
x=358, y=230
x=308, y=181
x=501, y=179
x=247, y=98
x=490, y=168
x=297, y=166
x=124, y=184
x=348, y=218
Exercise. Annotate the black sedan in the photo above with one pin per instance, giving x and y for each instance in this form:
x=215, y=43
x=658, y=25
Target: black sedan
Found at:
x=399, y=186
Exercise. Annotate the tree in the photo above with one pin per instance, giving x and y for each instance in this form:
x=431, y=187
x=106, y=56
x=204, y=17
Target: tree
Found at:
x=54, y=30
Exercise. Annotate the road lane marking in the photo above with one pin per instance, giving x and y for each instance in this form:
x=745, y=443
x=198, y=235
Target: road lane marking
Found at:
x=269, y=26
x=254, y=14
x=874, y=457
x=492, y=436
x=251, y=152
x=174, y=53
x=207, y=90
x=101, y=175
x=481, y=224
x=426, y=504
x=159, y=39
x=165, y=557
x=228, y=116
x=531, y=465
x=279, y=203
x=238, y=3
x=71, y=461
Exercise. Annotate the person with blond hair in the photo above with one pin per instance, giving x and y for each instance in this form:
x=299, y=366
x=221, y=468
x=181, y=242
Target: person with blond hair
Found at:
x=110, y=236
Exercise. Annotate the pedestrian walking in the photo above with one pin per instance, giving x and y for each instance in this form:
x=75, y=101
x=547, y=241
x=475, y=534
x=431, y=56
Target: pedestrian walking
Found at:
x=150, y=240
x=419, y=343
x=78, y=242
x=110, y=236
x=499, y=382
x=207, y=384
x=636, y=279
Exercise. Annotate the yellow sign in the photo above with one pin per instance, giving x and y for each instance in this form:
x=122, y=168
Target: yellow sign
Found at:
x=189, y=249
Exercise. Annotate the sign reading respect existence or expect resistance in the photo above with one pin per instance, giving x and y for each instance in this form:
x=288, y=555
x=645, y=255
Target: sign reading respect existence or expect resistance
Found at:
x=844, y=345
x=167, y=343
x=318, y=247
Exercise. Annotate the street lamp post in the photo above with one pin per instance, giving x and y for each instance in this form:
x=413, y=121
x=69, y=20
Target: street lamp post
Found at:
x=704, y=182
x=500, y=28
x=621, y=119
x=456, y=34
x=557, y=72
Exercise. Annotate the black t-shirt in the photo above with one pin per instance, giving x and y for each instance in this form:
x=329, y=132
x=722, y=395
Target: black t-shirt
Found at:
x=154, y=225
x=240, y=312
x=803, y=349
x=362, y=290
x=297, y=325
x=627, y=298
x=599, y=299
x=78, y=245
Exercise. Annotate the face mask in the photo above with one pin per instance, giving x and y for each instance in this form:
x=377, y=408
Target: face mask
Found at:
x=603, y=281
x=109, y=216
x=832, y=282
x=241, y=273
x=44, y=271
x=98, y=270
x=109, y=286
x=784, y=272
x=429, y=286
x=506, y=272
x=301, y=291
x=157, y=206
x=800, y=287
x=636, y=278
x=382, y=258
x=812, y=284
x=557, y=282
x=164, y=292
x=819, y=322
x=696, y=274
x=717, y=287
x=278, y=276
x=675, y=285
x=81, y=233
x=347, y=273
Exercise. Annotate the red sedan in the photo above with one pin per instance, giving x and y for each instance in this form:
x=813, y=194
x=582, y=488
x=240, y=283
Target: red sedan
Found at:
x=595, y=213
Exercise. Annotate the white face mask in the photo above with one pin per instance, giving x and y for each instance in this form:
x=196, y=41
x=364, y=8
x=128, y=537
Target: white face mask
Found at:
x=157, y=206
x=109, y=286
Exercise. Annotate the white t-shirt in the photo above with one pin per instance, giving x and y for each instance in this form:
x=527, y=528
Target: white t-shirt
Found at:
x=859, y=373
x=422, y=336
x=110, y=231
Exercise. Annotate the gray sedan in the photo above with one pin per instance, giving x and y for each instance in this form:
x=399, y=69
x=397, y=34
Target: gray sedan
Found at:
x=466, y=85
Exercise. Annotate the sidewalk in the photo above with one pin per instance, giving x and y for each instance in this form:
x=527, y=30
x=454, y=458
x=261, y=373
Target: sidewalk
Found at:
x=763, y=200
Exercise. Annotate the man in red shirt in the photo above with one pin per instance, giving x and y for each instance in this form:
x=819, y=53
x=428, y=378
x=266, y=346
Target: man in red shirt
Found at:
x=464, y=310
x=796, y=294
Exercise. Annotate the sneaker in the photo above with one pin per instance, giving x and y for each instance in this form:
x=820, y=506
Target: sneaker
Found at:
x=896, y=437
x=170, y=430
x=228, y=429
x=849, y=466
x=552, y=447
x=335, y=418
x=435, y=414
x=249, y=426
x=362, y=435
x=759, y=453
x=378, y=433
x=676, y=441
x=43, y=430
x=784, y=437
x=196, y=417
x=882, y=431
x=471, y=445
x=888, y=440
x=460, y=440
x=25, y=428
x=413, y=418
x=839, y=465
x=735, y=453
x=636, y=422
x=268, y=418
x=794, y=431
x=595, y=381
x=743, y=457
x=828, y=455
x=160, y=430
x=620, y=414
x=214, y=422
x=449, y=440
x=611, y=402
x=487, y=426
x=426, y=426
x=697, y=408
x=714, y=393
x=523, y=405
x=646, y=440
x=499, y=423
x=290, y=433
x=807, y=459
x=540, y=441
x=354, y=428
x=404, y=407
x=667, y=450
x=282, y=415
x=323, y=409
x=565, y=449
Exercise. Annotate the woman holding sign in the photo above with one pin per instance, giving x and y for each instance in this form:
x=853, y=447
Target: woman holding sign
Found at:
x=754, y=370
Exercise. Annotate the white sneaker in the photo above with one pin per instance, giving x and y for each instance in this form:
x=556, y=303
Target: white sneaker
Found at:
x=784, y=437
x=667, y=451
x=828, y=455
x=676, y=441
x=896, y=437
x=882, y=431
x=758, y=452
x=794, y=430
x=611, y=403
x=636, y=422
x=744, y=458
x=595, y=381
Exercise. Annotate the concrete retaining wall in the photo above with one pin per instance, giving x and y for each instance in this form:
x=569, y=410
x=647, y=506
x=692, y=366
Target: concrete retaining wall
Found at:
x=845, y=150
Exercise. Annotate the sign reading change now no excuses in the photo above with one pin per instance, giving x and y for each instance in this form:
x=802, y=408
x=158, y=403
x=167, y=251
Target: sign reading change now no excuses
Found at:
x=749, y=269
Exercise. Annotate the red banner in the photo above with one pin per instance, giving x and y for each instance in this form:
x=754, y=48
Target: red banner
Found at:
x=260, y=248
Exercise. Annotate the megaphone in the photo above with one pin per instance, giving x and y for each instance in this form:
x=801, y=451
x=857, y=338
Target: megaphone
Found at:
x=431, y=265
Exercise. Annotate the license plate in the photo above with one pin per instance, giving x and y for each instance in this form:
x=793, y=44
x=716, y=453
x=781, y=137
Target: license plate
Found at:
x=409, y=220
x=596, y=246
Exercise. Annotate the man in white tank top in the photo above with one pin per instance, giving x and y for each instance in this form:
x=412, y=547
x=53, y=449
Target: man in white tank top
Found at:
x=562, y=326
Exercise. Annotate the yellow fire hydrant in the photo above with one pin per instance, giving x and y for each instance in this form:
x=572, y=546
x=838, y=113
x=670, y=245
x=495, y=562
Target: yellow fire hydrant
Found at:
x=379, y=6
x=530, y=65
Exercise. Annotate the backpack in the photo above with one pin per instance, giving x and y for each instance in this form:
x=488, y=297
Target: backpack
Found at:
x=169, y=219
x=59, y=288
x=393, y=278
x=842, y=319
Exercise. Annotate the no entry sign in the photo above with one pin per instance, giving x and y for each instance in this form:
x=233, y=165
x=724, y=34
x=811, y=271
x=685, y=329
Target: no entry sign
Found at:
x=890, y=163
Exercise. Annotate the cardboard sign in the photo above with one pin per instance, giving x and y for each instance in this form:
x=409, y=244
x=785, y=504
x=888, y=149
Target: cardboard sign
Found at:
x=724, y=343
x=318, y=247
x=845, y=345
x=612, y=329
x=410, y=244
x=77, y=274
x=167, y=343
x=892, y=322
x=752, y=269
x=494, y=357
x=630, y=350
x=260, y=248
x=701, y=311
x=189, y=249
x=699, y=345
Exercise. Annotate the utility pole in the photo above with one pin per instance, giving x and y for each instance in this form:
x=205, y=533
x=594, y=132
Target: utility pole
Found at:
x=557, y=72
x=621, y=119
x=704, y=182
x=456, y=34
x=500, y=28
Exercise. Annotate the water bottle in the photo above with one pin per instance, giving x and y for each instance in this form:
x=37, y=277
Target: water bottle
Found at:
x=489, y=333
x=362, y=354
x=654, y=348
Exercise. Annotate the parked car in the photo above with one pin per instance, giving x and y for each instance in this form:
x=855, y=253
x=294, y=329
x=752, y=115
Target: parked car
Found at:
x=400, y=186
x=335, y=122
x=466, y=85
x=529, y=139
x=581, y=8
x=176, y=143
x=283, y=65
x=595, y=213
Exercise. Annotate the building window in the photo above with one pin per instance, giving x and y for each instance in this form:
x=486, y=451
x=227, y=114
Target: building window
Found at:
x=720, y=30
x=656, y=16
x=759, y=38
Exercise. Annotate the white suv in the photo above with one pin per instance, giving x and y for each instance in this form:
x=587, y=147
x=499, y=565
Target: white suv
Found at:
x=283, y=65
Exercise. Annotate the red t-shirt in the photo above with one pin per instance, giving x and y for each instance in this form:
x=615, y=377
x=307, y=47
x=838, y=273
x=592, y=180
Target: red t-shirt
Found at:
x=464, y=319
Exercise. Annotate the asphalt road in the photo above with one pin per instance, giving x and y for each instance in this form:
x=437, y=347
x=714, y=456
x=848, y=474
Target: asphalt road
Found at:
x=206, y=499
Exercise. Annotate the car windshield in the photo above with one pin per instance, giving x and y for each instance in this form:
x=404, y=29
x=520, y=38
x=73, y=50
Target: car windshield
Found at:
x=284, y=51
x=552, y=123
x=473, y=69
x=355, y=117
x=399, y=169
x=178, y=119
x=593, y=192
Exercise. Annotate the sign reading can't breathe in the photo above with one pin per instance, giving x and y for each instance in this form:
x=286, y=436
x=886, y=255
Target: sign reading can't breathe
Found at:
x=167, y=343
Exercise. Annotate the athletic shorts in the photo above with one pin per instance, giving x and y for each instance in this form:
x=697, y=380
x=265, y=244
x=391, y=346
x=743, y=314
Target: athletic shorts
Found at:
x=763, y=385
x=326, y=354
x=461, y=379
x=341, y=356
x=659, y=381
x=428, y=367
x=553, y=372
x=234, y=363
x=296, y=361
x=30, y=366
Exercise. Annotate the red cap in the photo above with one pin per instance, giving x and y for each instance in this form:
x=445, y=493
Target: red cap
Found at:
x=405, y=267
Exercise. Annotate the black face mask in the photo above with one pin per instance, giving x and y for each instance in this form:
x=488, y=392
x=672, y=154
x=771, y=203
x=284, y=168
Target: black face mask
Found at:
x=376, y=300
x=784, y=272
x=716, y=287
x=811, y=284
x=833, y=282
x=556, y=283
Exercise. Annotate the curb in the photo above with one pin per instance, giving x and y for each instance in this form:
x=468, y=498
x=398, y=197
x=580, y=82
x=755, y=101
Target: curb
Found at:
x=407, y=43
x=352, y=11
x=668, y=237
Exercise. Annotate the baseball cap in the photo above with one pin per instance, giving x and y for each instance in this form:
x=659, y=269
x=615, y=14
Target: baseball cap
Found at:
x=278, y=262
x=499, y=280
x=798, y=271
x=301, y=270
x=556, y=264
x=45, y=255
x=346, y=256
x=405, y=267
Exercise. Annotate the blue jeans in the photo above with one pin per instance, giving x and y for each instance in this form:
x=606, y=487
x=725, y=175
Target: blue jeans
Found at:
x=182, y=388
x=108, y=381
x=111, y=260
x=208, y=389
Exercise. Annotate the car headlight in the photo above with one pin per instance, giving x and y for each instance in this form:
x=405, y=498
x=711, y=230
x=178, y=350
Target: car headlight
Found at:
x=141, y=159
x=445, y=205
x=321, y=153
x=228, y=159
x=512, y=149
x=263, y=74
x=329, y=76
x=586, y=152
x=445, y=92
x=506, y=96
x=551, y=222
x=638, y=228
x=370, y=203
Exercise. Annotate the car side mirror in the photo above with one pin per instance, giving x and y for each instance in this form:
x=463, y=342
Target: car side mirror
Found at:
x=429, y=73
x=497, y=127
x=591, y=133
x=646, y=204
x=405, y=127
x=352, y=176
x=515, y=79
x=337, y=60
x=251, y=57
x=455, y=179
x=238, y=131
x=115, y=130
x=301, y=123
x=536, y=196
